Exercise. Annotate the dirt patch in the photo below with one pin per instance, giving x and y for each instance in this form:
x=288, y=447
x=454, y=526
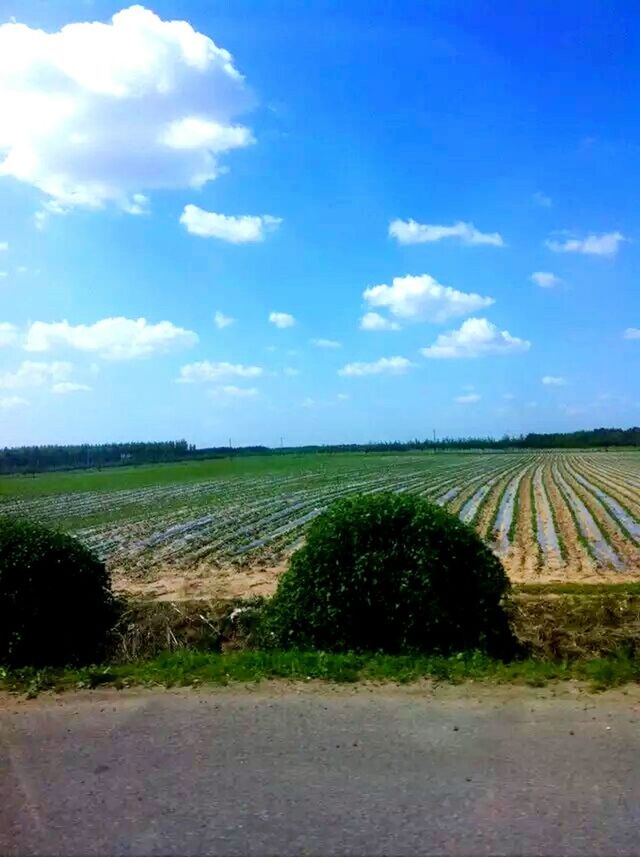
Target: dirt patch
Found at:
x=203, y=581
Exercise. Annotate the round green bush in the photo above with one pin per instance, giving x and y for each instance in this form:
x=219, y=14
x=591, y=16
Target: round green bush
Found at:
x=393, y=573
x=56, y=606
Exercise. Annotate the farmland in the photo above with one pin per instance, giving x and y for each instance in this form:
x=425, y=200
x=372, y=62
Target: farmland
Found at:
x=226, y=526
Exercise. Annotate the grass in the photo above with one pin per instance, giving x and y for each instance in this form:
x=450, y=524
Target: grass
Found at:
x=184, y=668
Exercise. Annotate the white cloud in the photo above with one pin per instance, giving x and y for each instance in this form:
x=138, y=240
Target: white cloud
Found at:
x=233, y=392
x=508, y=396
x=375, y=321
x=632, y=333
x=343, y=397
x=553, y=381
x=542, y=199
x=383, y=366
x=138, y=204
x=235, y=230
x=281, y=319
x=411, y=232
x=205, y=371
x=221, y=320
x=8, y=334
x=32, y=373
x=468, y=398
x=111, y=338
x=63, y=387
x=545, y=279
x=3, y=274
x=593, y=245
x=326, y=343
x=423, y=298
x=96, y=113
x=290, y=372
x=8, y=402
x=477, y=337
x=308, y=402
x=4, y=246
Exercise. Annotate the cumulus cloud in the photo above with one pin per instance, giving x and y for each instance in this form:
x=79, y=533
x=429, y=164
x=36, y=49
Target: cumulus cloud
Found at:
x=221, y=320
x=110, y=338
x=423, y=298
x=477, y=337
x=205, y=370
x=326, y=343
x=33, y=373
x=632, y=333
x=281, y=319
x=375, y=321
x=383, y=366
x=468, y=398
x=9, y=402
x=234, y=230
x=99, y=112
x=8, y=334
x=4, y=246
x=606, y=244
x=545, y=279
x=553, y=381
x=542, y=199
x=411, y=232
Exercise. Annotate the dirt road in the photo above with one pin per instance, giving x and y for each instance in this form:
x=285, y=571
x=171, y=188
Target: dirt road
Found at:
x=283, y=769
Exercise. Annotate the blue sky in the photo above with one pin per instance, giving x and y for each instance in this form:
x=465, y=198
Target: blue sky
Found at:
x=437, y=201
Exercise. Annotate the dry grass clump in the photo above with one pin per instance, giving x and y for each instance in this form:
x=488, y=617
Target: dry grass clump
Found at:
x=566, y=625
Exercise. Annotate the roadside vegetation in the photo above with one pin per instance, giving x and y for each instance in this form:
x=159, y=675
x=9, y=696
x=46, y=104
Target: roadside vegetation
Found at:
x=387, y=587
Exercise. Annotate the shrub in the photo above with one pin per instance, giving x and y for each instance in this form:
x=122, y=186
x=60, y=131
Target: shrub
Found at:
x=394, y=573
x=56, y=606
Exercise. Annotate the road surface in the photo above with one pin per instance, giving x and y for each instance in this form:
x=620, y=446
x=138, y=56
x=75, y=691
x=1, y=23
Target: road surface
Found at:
x=284, y=769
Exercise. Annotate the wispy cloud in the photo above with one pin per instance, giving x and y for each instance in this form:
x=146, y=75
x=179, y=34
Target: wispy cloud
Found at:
x=9, y=402
x=221, y=320
x=64, y=387
x=206, y=370
x=606, y=244
x=281, y=319
x=545, y=279
x=632, y=333
x=383, y=366
x=412, y=232
x=8, y=334
x=35, y=373
x=553, y=381
x=326, y=343
x=468, y=399
x=542, y=199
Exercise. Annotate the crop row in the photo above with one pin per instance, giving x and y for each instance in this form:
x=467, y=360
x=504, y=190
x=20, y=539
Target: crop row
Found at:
x=558, y=515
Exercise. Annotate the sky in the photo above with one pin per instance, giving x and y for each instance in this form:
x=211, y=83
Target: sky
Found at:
x=266, y=222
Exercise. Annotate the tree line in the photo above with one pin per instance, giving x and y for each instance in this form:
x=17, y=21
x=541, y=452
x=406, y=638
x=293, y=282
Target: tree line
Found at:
x=33, y=459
